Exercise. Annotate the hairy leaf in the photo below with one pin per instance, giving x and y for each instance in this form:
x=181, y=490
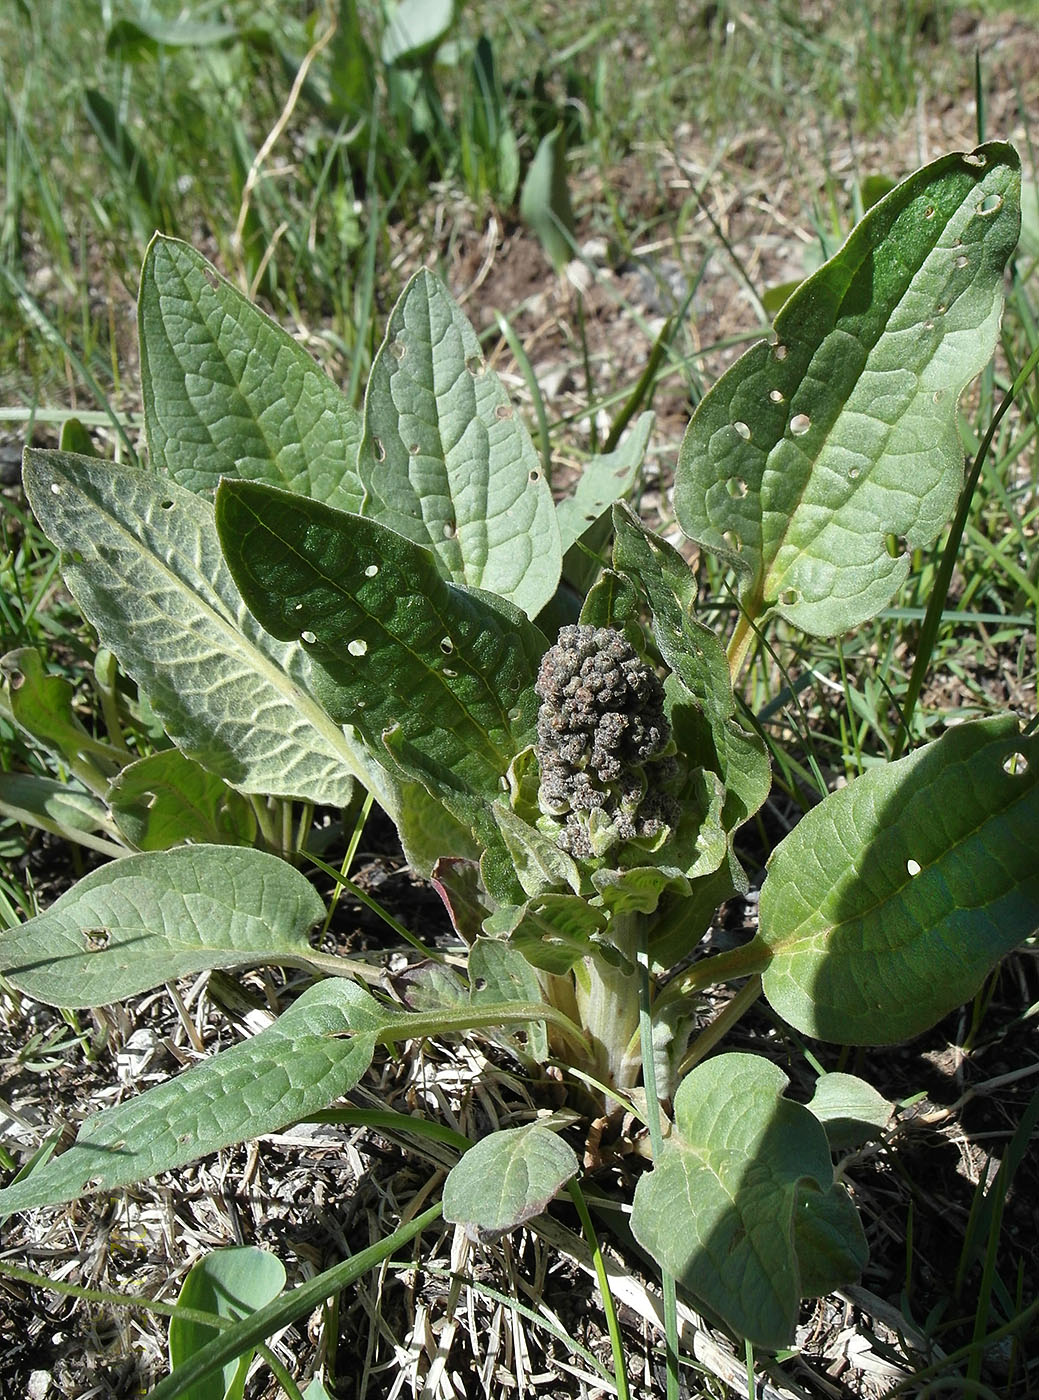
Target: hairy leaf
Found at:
x=829, y=1240
x=167, y=798
x=851, y=1111
x=41, y=704
x=720, y=1207
x=553, y=932
x=841, y=431
x=143, y=920
x=142, y=559
x=446, y=461
x=500, y=973
x=314, y=1053
x=889, y=902
x=507, y=1178
x=445, y=673
x=229, y=1283
x=227, y=392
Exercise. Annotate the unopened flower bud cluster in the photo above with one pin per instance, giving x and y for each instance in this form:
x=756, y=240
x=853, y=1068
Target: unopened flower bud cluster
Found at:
x=603, y=742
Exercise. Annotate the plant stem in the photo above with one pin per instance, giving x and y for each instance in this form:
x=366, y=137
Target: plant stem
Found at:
x=752, y=957
x=608, y=1005
x=476, y=1016
x=739, y=644
x=105, y=679
x=721, y=1025
x=656, y=1137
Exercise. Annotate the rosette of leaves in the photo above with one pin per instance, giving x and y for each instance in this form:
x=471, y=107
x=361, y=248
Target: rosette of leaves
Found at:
x=310, y=595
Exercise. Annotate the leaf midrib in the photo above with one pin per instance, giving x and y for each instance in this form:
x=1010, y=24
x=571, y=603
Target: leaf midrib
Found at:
x=268, y=669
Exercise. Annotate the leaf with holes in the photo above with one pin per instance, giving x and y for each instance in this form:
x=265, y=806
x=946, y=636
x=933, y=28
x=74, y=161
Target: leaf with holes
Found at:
x=888, y=903
x=721, y=1207
x=841, y=431
x=141, y=921
x=227, y=392
x=141, y=557
x=447, y=462
x=500, y=973
x=313, y=1054
x=41, y=704
x=444, y=672
x=506, y=1179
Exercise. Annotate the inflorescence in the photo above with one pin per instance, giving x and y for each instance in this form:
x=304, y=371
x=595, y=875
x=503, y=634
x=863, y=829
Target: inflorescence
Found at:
x=603, y=743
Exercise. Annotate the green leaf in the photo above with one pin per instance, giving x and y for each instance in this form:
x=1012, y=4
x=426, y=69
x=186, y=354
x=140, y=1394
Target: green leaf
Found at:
x=351, y=79
x=556, y=931
x=719, y=1208
x=42, y=705
x=506, y=1179
x=313, y=1054
x=829, y=1240
x=26, y=797
x=414, y=30
x=167, y=798
x=612, y=601
x=696, y=657
x=297, y=1303
x=446, y=461
x=148, y=918
x=227, y=392
x=500, y=973
x=129, y=39
x=443, y=673
x=229, y=1283
x=428, y=832
x=639, y=889
x=815, y=447
x=851, y=1111
x=889, y=902
x=539, y=863
x=489, y=150
x=142, y=559
x=604, y=479
x=124, y=156
x=76, y=438
x=545, y=199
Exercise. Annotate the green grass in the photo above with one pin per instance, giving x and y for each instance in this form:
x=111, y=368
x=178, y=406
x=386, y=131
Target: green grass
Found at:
x=107, y=141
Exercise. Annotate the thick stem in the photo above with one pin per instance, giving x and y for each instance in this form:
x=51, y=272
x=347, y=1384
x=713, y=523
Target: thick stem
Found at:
x=608, y=1001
